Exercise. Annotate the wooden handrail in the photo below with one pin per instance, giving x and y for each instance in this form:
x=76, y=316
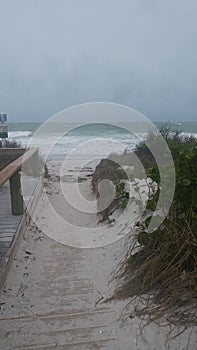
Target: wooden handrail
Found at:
x=12, y=173
x=12, y=168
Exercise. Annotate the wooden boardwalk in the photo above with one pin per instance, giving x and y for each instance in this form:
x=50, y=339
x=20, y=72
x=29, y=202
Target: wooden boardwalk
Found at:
x=52, y=299
x=8, y=222
x=12, y=201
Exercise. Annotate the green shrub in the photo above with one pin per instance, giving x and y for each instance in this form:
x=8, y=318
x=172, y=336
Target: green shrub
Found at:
x=164, y=267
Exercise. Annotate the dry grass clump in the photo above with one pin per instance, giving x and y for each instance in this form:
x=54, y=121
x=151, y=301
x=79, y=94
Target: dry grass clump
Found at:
x=164, y=273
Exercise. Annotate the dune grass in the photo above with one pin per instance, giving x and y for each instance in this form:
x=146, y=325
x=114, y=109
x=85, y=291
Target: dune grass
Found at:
x=160, y=267
x=163, y=270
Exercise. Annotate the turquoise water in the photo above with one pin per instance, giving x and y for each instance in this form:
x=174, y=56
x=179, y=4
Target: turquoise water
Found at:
x=188, y=127
x=93, y=139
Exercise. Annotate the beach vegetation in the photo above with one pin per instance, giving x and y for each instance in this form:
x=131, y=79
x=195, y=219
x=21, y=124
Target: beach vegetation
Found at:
x=160, y=267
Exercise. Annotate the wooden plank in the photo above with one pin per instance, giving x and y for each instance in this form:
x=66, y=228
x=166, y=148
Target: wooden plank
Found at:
x=5, y=244
x=4, y=236
x=8, y=231
x=14, y=151
x=11, y=168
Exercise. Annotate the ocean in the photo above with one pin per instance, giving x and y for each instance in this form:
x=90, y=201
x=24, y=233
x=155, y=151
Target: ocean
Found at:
x=91, y=140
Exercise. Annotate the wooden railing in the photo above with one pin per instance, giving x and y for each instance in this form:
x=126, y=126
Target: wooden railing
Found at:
x=12, y=173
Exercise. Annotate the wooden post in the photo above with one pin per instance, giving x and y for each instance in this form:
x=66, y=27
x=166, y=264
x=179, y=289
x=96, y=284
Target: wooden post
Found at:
x=16, y=196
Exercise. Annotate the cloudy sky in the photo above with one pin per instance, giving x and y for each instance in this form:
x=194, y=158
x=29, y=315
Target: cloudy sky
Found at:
x=58, y=53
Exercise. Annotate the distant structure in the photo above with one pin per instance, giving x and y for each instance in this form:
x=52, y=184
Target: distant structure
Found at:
x=3, y=126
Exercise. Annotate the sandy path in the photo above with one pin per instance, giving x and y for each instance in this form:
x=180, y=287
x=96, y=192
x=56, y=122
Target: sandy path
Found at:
x=51, y=300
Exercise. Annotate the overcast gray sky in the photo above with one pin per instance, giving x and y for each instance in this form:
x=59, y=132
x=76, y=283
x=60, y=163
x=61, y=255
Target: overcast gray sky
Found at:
x=58, y=53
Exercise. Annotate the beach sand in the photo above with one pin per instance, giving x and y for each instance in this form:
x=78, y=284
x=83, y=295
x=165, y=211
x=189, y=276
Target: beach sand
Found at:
x=54, y=293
